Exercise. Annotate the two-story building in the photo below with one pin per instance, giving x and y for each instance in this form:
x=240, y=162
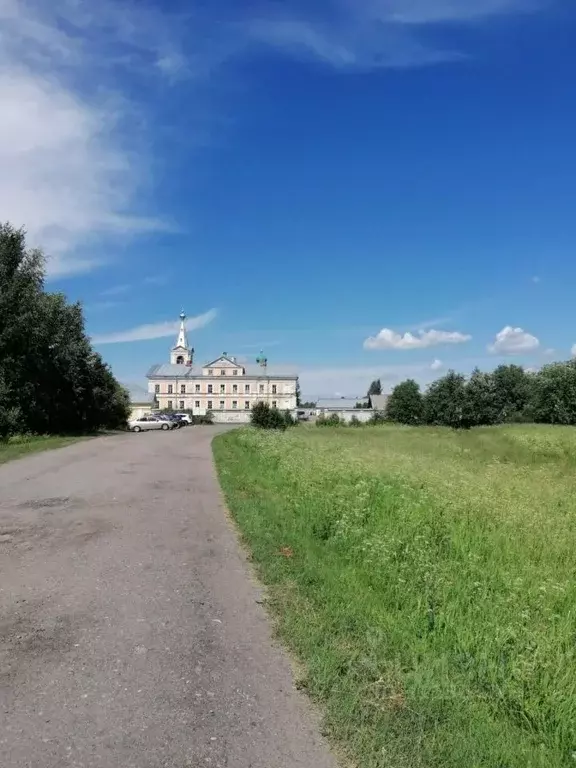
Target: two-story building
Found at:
x=224, y=386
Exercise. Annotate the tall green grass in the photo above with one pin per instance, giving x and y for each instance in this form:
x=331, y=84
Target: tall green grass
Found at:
x=426, y=581
x=23, y=445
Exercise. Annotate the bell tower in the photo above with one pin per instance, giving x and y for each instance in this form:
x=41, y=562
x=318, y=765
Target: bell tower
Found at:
x=181, y=353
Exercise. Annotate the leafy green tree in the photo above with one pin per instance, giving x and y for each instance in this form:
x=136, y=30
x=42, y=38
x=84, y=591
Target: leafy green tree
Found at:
x=51, y=381
x=480, y=407
x=375, y=388
x=444, y=401
x=553, y=398
x=512, y=392
x=405, y=404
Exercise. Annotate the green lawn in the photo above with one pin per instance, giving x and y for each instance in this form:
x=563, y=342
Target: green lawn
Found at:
x=426, y=581
x=17, y=447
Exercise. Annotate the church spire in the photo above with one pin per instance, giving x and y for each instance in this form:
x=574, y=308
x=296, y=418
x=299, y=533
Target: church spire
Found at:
x=181, y=353
x=182, y=340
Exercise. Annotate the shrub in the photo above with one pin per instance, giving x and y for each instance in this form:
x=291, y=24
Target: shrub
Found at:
x=355, y=421
x=378, y=417
x=264, y=417
x=329, y=421
x=207, y=418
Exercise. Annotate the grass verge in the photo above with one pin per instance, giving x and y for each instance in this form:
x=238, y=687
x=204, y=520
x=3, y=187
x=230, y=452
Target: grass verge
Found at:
x=426, y=580
x=17, y=447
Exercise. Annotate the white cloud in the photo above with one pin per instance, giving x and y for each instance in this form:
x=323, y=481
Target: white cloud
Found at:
x=437, y=365
x=513, y=341
x=389, y=339
x=573, y=350
x=154, y=330
x=71, y=175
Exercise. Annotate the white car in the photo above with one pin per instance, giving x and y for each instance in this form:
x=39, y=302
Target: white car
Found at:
x=185, y=417
x=148, y=422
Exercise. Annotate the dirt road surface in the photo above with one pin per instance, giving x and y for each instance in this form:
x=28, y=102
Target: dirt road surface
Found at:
x=131, y=633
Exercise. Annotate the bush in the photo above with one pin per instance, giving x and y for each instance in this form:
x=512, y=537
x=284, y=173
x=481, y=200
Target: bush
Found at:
x=207, y=418
x=378, y=417
x=265, y=417
x=355, y=421
x=329, y=421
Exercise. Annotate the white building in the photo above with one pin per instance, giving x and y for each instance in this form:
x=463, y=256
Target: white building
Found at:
x=225, y=387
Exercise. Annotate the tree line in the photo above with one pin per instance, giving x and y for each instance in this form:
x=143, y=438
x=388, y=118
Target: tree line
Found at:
x=507, y=394
x=51, y=380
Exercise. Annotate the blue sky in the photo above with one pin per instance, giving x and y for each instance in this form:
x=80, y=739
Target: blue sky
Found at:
x=361, y=187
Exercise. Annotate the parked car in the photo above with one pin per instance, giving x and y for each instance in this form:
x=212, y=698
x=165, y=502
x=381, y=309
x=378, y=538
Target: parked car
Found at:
x=175, y=420
x=185, y=417
x=148, y=422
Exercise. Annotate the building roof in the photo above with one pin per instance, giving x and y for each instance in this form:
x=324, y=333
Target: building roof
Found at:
x=340, y=403
x=139, y=394
x=172, y=371
x=379, y=402
x=226, y=357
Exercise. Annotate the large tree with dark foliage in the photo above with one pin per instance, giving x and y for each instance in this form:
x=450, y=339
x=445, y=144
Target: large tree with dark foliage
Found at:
x=480, y=404
x=444, y=402
x=512, y=392
x=405, y=404
x=375, y=388
x=553, y=398
x=51, y=380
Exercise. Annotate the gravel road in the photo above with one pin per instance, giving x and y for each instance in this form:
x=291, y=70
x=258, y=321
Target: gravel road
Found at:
x=131, y=634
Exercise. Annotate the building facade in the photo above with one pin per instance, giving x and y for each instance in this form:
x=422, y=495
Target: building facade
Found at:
x=224, y=386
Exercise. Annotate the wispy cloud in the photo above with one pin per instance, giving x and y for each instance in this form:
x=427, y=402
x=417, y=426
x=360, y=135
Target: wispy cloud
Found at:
x=154, y=330
x=356, y=34
x=156, y=280
x=74, y=171
x=389, y=339
x=116, y=290
x=69, y=173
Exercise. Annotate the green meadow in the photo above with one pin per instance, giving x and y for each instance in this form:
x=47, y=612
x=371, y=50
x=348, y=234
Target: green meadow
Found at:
x=424, y=579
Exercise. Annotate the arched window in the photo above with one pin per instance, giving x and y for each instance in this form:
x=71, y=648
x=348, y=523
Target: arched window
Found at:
x=180, y=360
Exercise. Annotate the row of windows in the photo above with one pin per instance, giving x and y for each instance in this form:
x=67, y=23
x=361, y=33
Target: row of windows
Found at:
x=222, y=372
x=211, y=390
x=210, y=405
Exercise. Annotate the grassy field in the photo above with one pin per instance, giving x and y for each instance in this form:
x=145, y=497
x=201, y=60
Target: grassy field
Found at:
x=426, y=581
x=17, y=447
